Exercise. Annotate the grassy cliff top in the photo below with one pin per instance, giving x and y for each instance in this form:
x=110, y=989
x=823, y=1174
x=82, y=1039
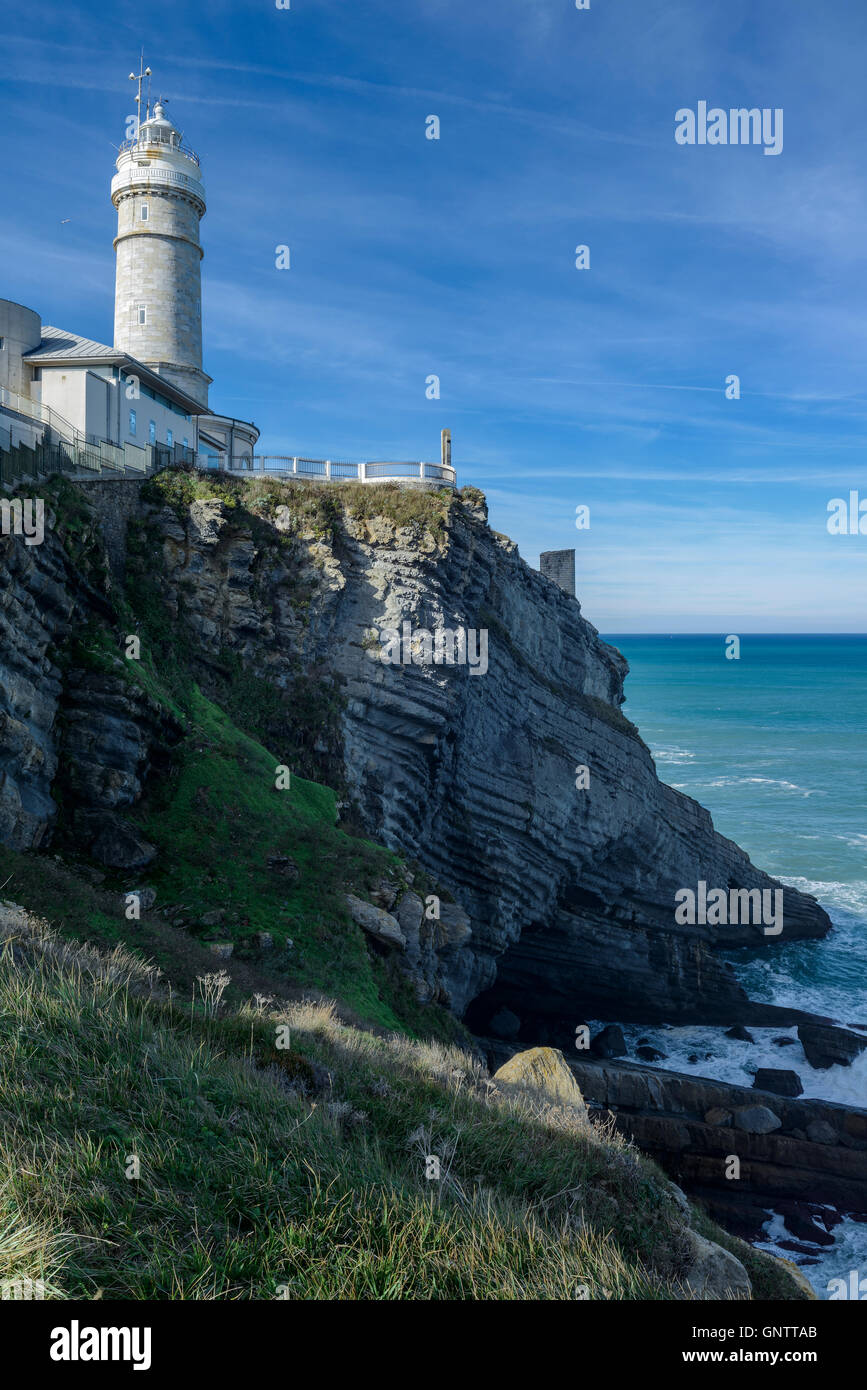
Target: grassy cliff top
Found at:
x=316, y=506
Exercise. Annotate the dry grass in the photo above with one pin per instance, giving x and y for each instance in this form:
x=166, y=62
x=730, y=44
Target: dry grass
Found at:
x=303, y=1180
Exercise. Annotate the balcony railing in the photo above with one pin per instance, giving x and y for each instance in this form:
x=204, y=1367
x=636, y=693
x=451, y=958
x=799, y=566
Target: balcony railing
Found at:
x=333, y=470
x=143, y=143
x=62, y=448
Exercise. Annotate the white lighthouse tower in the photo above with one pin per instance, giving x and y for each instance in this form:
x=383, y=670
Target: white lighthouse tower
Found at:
x=160, y=199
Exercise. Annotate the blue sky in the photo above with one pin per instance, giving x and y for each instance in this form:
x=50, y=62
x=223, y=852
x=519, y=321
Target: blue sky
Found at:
x=455, y=257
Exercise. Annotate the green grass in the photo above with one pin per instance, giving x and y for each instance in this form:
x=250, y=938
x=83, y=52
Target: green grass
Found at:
x=217, y=820
x=317, y=509
x=304, y=1180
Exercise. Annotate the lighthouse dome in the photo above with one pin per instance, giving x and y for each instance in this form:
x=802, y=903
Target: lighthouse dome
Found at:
x=159, y=128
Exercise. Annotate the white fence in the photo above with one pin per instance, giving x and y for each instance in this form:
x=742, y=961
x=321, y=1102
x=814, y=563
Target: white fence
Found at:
x=335, y=470
x=30, y=423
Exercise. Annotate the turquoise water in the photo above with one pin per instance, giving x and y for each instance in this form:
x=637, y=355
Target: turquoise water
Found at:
x=774, y=744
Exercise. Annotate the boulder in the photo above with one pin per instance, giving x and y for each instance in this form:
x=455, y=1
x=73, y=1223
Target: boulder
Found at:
x=682, y=1201
x=410, y=913
x=284, y=866
x=740, y=1033
x=505, y=1024
x=715, y=1273
x=609, y=1043
x=797, y=1277
x=820, y=1132
x=756, y=1119
x=826, y=1046
x=384, y=894
x=114, y=841
x=650, y=1054
x=798, y=1221
x=718, y=1116
x=779, y=1082
x=223, y=949
x=376, y=922
x=543, y=1069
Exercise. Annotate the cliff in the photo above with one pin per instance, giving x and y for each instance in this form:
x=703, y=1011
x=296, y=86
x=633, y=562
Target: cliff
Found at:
x=569, y=892
x=563, y=897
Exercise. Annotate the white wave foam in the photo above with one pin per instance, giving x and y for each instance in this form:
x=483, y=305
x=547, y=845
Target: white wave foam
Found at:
x=672, y=755
x=825, y=1262
x=780, y=782
x=851, y=897
x=727, y=1059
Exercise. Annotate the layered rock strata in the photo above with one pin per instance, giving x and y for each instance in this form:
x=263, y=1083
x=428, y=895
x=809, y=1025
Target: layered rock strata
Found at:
x=569, y=888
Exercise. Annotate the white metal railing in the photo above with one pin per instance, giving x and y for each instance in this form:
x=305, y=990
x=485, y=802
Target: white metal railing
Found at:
x=44, y=414
x=333, y=470
x=97, y=454
x=150, y=137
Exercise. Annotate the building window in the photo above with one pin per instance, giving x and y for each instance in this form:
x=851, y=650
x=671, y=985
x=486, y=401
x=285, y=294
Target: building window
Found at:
x=170, y=438
x=142, y=312
x=152, y=431
x=186, y=443
x=2, y=344
x=198, y=308
x=132, y=422
x=144, y=212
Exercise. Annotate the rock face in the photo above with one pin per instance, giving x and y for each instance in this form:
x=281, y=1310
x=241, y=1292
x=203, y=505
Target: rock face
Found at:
x=567, y=891
x=788, y=1148
x=85, y=731
x=113, y=841
x=38, y=603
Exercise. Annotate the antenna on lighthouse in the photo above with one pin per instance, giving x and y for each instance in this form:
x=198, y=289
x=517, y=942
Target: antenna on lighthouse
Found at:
x=139, y=77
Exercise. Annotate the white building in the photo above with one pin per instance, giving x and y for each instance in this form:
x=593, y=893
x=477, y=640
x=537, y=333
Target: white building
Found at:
x=149, y=387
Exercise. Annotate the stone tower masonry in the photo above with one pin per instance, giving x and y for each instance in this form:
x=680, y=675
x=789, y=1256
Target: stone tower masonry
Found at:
x=559, y=565
x=160, y=199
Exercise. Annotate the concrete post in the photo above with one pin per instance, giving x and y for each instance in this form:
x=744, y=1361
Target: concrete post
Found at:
x=446, y=448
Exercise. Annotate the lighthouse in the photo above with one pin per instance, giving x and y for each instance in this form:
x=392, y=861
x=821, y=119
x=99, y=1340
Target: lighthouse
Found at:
x=160, y=199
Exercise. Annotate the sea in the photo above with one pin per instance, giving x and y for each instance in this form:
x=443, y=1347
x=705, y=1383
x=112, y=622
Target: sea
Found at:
x=773, y=741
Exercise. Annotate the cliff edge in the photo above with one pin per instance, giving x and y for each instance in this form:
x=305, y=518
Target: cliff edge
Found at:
x=566, y=891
